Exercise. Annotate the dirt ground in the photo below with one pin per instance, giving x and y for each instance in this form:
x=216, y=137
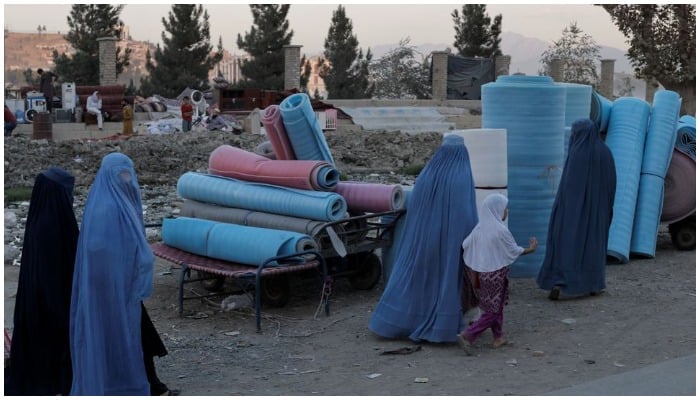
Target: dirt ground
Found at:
x=646, y=315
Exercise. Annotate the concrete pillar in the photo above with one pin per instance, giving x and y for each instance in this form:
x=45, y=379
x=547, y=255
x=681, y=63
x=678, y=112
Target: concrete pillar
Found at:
x=607, y=72
x=440, y=75
x=556, y=69
x=108, y=60
x=292, y=67
x=502, y=65
x=652, y=87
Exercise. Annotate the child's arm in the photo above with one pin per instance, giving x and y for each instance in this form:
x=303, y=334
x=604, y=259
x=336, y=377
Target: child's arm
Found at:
x=533, y=246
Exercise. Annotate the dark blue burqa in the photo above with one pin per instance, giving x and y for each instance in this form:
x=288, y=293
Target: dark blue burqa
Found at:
x=421, y=300
x=578, y=227
x=40, y=362
x=113, y=274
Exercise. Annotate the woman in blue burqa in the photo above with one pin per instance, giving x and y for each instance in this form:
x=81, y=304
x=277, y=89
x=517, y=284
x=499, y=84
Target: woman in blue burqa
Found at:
x=422, y=299
x=113, y=274
x=577, y=239
x=40, y=363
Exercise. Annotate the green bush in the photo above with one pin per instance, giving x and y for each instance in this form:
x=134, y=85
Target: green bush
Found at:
x=19, y=193
x=413, y=169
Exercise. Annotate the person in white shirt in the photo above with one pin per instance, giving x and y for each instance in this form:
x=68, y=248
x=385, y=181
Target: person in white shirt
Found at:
x=94, y=106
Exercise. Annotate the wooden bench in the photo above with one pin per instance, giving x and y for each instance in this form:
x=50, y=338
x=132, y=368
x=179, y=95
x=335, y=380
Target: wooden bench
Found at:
x=306, y=260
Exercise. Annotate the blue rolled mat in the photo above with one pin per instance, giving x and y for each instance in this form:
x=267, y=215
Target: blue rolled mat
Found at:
x=601, y=107
x=320, y=206
x=647, y=215
x=187, y=234
x=658, y=146
x=531, y=109
x=389, y=253
x=629, y=120
x=661, y=135
x=303, y=129
x=578, y=101
x=685, y=135
x=230, y=242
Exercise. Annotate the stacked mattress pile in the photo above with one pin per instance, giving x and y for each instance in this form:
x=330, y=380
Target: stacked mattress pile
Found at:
x=251, y=207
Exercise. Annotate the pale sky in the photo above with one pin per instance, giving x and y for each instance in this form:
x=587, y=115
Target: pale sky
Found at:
x=373, y=24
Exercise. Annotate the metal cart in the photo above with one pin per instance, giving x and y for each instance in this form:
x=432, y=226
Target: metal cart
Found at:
x=346, y=249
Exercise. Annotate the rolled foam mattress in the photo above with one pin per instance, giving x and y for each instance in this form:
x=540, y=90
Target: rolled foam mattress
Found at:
x=236, y=243
x=396, y=235
x=578, y=101
x=685, y=135
x=629, y=120
x=601, y=108
x=679, y=188
x=237, y=163
x=488, y=155
x=196, y=209
x=276, y=133
x=371, y=197
x=647, y=216
x=531, y=110
x=661, y=135
x=303, y=129
x=320, y=206
x=658, y=147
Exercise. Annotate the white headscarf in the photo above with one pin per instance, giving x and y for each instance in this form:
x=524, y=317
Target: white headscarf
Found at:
x=490, y=246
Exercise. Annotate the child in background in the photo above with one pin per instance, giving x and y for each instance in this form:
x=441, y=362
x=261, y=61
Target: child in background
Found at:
x=187, y=111
x=127, y=118
x=488, y=251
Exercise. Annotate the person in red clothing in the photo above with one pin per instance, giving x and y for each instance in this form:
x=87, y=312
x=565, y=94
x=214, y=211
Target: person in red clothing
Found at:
x=10, y=121
x=187, y=111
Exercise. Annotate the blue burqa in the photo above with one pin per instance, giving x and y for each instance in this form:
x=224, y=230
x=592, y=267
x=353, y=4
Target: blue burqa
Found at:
x=113, y=274
x=40, y=362
x=577, y=238
x=421, y=300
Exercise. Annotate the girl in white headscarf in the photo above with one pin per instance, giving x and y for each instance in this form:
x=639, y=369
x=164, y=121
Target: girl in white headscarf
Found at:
x=488, y=251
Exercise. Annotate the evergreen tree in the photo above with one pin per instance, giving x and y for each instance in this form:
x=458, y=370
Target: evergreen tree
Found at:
x=662, y=45
x=346, y=73
x=265, y=44
x=131, y=89
x=579, y=54
x=475, y=35
x=87, y=23
x=186, y=56
x=305, y=74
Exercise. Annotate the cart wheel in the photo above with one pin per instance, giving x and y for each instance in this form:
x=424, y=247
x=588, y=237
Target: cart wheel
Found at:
x=369, y=270
x=275, y=291
x=211, y=282
x=683, y=234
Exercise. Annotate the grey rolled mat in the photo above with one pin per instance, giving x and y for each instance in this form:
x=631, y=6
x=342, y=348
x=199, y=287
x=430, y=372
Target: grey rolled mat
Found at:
x=213, y=212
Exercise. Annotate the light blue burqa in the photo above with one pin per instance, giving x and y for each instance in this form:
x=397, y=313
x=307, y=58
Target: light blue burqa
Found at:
x=113, y=274
x=422, y=300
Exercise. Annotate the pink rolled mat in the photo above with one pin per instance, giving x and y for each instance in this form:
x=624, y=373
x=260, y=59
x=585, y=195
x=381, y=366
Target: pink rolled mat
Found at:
x=236, y=163
x=371, y=197
x=276, y=133
x=679, y=188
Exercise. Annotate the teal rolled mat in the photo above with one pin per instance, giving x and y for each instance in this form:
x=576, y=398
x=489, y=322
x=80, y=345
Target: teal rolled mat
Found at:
x=316, y=205
x=236, y=243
